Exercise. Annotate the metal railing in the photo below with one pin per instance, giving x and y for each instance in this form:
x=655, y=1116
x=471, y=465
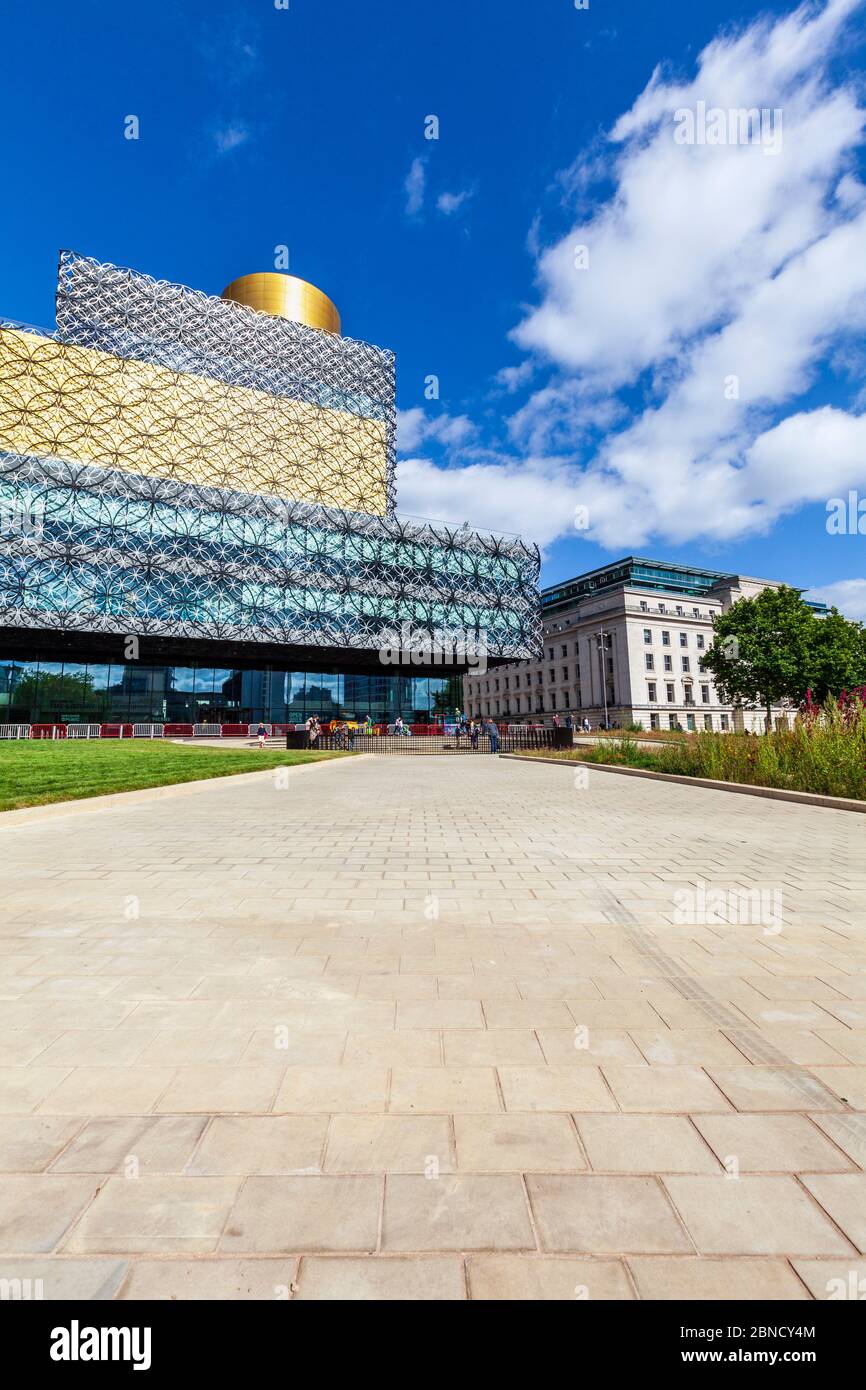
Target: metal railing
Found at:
x=509, y=741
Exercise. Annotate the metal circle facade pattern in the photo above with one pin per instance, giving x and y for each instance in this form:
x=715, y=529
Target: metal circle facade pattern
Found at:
x=147, y=485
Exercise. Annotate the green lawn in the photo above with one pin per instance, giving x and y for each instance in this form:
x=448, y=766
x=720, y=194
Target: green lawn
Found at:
x=35, y=772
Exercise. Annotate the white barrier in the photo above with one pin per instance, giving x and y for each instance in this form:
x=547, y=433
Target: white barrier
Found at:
x=14, y=730
x=148, y=730
x=83, y=730
x=252, y=729
x=206, y=730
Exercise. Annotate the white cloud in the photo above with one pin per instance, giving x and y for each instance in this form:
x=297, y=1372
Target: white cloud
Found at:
x=512, y=378
x=231, y=137
x=415, y=185
x=530, y=498
x=415, y=427
x=848, y=595
x=719, y=279
x=449, y=203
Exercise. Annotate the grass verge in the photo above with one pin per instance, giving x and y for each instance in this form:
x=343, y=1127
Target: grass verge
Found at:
x=35, y=773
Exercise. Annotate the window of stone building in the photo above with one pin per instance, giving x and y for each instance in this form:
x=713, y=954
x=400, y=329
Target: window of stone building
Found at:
x=651, y=692
x=666, y=639
x=649, y=661
x=705, y=694
x=671, y=694
x=647, y=634
x=669, y=663
x=684, y=639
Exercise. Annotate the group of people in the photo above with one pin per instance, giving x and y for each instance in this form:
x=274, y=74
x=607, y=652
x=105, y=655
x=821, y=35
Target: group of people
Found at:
x=473, y=729
x=584, y=727
x=341, y=730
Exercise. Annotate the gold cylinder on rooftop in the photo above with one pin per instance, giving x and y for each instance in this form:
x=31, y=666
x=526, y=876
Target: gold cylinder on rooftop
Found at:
x=287, y=297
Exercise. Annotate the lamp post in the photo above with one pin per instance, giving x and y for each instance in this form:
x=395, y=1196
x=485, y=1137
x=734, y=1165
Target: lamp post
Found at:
x=602, y=639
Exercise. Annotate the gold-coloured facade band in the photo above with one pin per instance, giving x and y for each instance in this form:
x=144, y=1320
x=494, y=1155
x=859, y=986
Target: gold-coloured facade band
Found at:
x=89, y=406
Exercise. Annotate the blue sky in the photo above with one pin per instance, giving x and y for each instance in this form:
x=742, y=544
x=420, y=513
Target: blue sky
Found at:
x=604, y=386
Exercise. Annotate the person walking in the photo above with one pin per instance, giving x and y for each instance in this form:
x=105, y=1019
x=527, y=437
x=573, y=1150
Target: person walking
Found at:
x=312, y=730
x=399, y=729
x=261, y=734
x=556, y=721
x=493, y=735
x=473, y=736
x=569, y=722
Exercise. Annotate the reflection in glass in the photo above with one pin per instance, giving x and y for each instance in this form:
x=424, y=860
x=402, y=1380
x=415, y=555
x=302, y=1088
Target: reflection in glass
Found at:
x=131, y=692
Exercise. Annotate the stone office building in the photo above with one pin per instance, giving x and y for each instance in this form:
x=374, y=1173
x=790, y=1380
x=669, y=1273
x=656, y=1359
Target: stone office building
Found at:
x=625, y=644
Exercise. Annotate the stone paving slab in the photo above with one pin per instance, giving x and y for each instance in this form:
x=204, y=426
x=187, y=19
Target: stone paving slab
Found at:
x=434, y=1030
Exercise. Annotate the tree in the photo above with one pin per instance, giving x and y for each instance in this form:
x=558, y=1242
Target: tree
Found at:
x=838, y=659
x=762, y=650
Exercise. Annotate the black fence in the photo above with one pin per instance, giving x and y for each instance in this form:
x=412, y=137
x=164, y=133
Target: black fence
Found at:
x=420, y=745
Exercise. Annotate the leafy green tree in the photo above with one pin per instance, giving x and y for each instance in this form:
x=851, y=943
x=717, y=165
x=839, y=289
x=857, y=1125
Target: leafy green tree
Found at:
x=762, y=649
x=838, y=658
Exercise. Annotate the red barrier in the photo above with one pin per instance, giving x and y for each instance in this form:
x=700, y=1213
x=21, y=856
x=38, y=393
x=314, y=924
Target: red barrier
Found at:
x=115, y=731
x=47, y=730
x=236, y=730
x=177, y=731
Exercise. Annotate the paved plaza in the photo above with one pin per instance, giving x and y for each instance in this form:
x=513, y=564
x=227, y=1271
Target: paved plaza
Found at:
x=437, y=1029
